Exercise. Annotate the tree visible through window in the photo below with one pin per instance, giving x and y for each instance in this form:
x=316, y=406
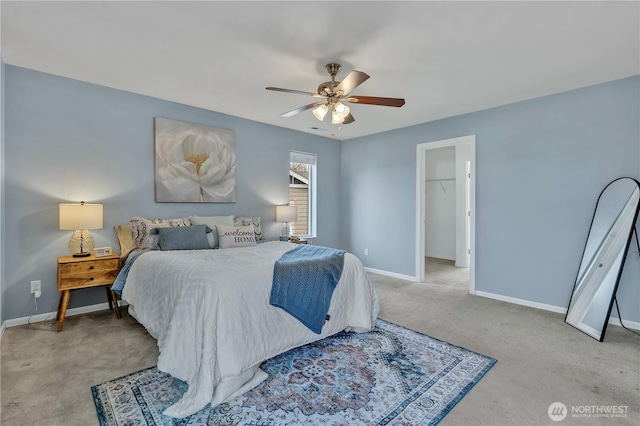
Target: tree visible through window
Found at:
x=302, y=188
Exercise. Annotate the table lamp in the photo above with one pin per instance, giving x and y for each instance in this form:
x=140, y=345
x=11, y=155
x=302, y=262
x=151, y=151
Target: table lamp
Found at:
x=286, y=214
x=80, y=218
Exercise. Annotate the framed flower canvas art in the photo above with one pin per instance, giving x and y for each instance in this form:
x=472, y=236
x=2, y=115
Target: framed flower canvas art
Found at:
x=194, y=163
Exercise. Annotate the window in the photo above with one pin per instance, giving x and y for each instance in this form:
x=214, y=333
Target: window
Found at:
x=302, y=192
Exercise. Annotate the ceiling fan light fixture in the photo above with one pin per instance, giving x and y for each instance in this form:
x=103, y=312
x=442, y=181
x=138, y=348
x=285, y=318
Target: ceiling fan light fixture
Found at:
x=342, y=110
x=333, y=92
x=320, y=111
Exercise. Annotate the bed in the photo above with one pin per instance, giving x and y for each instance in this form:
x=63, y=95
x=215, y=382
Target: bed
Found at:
x=209, y=311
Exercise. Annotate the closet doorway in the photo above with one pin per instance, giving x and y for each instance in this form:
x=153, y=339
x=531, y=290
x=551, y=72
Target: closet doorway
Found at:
x=445, y=211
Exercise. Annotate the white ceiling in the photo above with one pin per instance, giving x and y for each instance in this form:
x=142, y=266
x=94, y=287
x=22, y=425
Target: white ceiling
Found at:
x=444, y=58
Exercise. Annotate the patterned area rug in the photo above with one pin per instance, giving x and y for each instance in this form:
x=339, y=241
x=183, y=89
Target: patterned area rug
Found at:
x=391, y=375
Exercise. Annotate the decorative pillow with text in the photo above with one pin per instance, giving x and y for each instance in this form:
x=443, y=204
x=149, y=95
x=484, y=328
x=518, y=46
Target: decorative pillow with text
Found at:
x=231, y=236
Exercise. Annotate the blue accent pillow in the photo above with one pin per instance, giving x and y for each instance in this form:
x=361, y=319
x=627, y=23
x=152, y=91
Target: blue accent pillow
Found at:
x=211, y=222
x=183, y=237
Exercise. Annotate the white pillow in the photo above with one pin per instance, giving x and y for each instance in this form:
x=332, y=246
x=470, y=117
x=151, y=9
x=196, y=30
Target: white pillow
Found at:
x=211, y=222
x=230, y=236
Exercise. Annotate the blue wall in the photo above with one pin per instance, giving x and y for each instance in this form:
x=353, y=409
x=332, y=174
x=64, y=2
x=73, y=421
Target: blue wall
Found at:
x=540, y=166
x=68, y=141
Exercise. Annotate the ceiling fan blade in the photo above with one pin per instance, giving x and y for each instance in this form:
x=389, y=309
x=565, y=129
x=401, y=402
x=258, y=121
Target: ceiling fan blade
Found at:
x=351, y=81
x=301, y=109
x=375, y=100
x=348, y=119
x=299, y=92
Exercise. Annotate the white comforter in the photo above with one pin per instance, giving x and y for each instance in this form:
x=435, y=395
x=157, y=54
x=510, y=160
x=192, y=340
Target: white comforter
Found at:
x=210, y=312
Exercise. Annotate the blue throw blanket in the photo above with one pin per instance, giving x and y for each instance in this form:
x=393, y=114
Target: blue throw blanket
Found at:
x=118, y=284
x=303, y=283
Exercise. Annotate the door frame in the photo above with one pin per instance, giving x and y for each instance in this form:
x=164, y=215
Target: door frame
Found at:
x=421, y=155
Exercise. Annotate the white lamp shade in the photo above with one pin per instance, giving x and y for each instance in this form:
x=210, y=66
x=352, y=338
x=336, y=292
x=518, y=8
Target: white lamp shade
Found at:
x=321, y=111
x=335, y=118
x=342, y=110
x=286, y=213
x=80, y=216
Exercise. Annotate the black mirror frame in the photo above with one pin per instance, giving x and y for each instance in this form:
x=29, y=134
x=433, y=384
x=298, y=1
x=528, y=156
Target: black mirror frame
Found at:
x=620, y=269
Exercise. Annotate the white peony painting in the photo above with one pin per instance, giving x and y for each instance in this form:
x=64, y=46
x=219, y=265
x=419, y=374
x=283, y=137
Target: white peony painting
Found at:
x=194, y=163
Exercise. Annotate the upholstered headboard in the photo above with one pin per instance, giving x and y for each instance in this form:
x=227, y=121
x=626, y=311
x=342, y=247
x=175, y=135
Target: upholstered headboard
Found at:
x=125, y=239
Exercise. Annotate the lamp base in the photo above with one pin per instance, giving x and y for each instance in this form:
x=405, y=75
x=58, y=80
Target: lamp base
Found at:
x=284, y=232
x=81, y=244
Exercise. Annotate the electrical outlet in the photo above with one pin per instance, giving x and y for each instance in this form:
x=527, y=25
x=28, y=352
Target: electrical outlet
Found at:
x=36, y=287
x=366, y=252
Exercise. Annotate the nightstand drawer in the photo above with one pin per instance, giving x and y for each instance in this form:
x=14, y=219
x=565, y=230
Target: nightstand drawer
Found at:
x=69, y=269
x=88, y=279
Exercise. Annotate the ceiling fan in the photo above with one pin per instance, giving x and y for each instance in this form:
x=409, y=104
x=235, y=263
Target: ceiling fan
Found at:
x=333, y=93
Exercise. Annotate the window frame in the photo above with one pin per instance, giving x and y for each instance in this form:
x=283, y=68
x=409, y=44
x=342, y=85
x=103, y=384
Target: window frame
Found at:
x=312, y=160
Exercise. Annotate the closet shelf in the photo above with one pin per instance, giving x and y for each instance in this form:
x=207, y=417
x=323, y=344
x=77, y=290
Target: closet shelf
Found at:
x=439, y=180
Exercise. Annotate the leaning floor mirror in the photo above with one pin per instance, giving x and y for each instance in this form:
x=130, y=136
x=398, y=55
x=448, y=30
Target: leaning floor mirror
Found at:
x=608, y=240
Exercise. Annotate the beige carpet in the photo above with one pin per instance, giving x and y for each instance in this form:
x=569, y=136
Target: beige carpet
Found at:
x=46, y=376
x=443, y=271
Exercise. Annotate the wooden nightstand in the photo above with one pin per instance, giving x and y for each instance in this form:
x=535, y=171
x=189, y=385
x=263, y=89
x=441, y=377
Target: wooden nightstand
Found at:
x=85, y=272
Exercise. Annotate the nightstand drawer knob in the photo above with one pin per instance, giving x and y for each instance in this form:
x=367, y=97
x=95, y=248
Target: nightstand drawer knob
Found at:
x=90, y=267
x=91, y=279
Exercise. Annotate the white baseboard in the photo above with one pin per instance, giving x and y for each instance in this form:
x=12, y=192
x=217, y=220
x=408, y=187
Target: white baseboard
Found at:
x=558, y=309
x=629, y=324
x=43, y=317
x=103, y=306
x=529, y=303
x=391, y=274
